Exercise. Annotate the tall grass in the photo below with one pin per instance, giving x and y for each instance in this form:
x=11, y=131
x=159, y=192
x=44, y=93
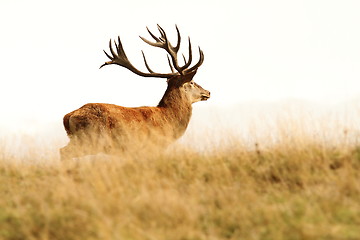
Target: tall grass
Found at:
x=295, y=184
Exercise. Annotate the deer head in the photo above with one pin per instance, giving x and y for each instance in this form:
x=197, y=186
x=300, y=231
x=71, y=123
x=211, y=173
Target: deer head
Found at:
x=180, y=79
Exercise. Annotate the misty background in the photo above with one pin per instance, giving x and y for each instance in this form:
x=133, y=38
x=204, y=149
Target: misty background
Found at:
x=262, y=58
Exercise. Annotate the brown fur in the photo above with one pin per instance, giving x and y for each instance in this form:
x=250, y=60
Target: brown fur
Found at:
x=100, y=127
x=110, y=117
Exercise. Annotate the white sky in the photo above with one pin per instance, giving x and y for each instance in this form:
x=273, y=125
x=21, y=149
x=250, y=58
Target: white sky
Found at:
x=255, y=50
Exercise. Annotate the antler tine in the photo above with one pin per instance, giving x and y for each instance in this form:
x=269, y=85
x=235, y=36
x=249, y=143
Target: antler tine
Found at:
x=112, y=50
x=152, y=35
x=187, y=63
x=177, y=47
x=171, y=67
x=118, y=46
x=198, y=64
x=120, y=49
x=110, y=57
x=158, y=42
x=146, y=64
x=163, y=34
x=107, y=56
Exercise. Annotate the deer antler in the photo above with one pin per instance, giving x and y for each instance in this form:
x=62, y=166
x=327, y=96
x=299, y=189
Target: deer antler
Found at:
x=119, y=57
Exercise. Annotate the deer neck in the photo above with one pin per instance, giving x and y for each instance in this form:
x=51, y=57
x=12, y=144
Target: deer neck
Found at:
x=177, y=108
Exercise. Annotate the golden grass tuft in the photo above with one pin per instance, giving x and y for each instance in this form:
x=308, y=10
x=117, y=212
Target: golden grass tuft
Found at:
x=297, y=192
x=296, y=186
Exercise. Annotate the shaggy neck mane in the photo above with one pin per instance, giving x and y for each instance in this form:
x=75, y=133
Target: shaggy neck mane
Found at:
x=177, y=107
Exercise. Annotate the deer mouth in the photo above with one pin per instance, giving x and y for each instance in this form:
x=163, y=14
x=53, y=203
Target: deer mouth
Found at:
x=205, y=97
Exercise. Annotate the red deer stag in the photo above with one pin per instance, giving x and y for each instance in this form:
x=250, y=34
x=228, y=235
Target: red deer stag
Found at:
x=112, y=129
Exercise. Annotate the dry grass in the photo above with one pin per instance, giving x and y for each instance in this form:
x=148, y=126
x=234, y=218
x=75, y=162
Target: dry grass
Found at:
x=298, y=187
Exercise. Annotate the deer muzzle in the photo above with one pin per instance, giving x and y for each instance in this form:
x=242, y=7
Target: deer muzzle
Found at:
x=205, y=95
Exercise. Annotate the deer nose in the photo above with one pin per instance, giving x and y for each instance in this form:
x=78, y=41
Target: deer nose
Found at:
x=206, y=95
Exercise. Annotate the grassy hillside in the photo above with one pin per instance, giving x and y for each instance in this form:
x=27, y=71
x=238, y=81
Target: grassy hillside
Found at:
x=273, y=173
x=296, y=188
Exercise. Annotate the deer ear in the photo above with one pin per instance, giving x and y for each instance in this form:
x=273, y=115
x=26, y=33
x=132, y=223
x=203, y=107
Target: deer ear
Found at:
x=189, y=76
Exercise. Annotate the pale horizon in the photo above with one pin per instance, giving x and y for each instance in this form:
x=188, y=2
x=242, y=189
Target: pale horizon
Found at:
x=255, y=52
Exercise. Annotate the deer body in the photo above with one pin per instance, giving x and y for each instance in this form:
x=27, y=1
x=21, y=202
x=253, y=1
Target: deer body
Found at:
x=99, y=127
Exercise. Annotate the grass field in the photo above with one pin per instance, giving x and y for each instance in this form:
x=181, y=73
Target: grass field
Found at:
x=299, y=185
